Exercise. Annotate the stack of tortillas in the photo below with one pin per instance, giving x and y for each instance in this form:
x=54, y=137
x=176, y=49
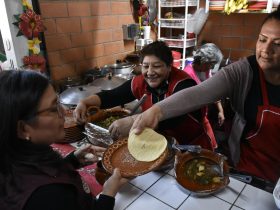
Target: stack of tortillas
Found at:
x=147, y=146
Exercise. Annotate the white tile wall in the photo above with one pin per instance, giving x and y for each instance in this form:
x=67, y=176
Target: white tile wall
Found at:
x=145, y=181
x=209, y=202
x=160, y=191
x=254, y=199
x=148, y=202
x=126, y=196
x=167, y=190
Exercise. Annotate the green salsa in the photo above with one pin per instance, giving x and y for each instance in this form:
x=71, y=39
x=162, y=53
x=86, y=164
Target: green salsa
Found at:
x=199, y=171
x=107, y=122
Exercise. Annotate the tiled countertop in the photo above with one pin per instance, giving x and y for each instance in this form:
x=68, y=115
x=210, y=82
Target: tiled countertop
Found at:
x=160, y=191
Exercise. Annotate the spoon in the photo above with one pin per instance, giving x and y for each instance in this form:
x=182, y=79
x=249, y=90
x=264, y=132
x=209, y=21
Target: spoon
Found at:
x=219, y=168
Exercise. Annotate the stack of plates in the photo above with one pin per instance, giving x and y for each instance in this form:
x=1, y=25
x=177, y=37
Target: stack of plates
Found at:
x=217, y=4
x=73, y=131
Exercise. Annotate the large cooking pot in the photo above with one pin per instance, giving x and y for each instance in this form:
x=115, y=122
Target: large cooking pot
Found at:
x=63, y=84
x=109, y=82
x=72, y=96
x=121, y=69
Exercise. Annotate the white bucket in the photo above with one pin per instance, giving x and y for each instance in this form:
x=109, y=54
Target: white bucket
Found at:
x=147, y=32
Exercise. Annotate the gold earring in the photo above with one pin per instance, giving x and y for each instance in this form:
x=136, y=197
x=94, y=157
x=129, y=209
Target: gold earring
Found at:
x=27, y=138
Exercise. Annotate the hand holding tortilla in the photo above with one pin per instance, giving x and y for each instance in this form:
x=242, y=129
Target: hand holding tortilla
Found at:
x=147, y=146
x=137, y=155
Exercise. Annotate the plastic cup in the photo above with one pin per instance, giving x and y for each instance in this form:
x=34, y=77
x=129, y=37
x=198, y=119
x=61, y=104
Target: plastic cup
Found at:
x=147, y=32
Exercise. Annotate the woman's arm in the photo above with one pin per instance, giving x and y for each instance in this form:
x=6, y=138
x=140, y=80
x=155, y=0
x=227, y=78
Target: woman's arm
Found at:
x=54, y=197
x=64, y=197
x=219, y=86
x=221, y=115
x=117, y=96
x=190, y=99
x=104, y=99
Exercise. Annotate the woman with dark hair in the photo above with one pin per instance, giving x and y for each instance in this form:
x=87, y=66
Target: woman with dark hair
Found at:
x=253, y=86
x=32, y=175
x=158, y=81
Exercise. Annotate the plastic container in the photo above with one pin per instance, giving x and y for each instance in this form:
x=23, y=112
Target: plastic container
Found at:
x=176, y=58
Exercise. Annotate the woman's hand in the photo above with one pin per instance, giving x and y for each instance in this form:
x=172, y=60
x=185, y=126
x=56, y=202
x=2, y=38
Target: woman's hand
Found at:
x=150, y=118
x=120, y=128
x=114, y=183
x=79, y=113
x=89, y=154
x=221, y=118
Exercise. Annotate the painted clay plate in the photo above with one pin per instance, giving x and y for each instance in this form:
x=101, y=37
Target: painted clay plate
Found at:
x=200, y=186
x=118, y=156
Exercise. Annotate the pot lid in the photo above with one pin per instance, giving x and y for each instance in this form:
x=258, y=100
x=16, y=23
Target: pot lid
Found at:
x=119, y=65
x=72, y=96
x=108, y=83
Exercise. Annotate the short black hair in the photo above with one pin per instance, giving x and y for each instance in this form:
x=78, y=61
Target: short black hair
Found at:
x=20, y=94
x=158, y=49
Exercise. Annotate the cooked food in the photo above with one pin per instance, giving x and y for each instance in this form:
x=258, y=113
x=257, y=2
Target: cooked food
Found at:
x=199, y=171
x=147, y=146
x=107, y=122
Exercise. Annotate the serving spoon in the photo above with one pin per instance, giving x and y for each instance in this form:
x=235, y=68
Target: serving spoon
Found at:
x=185, y=147
x=219, y=168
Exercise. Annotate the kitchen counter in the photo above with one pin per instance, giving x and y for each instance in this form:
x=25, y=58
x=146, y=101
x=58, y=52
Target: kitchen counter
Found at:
x=160, y=191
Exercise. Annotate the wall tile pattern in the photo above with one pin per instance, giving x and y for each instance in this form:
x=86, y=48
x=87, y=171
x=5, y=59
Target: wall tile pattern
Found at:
x=82, y=34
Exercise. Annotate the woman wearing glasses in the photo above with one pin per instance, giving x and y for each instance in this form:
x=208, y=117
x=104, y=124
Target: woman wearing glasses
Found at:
x=158, y=81
x=32, y=175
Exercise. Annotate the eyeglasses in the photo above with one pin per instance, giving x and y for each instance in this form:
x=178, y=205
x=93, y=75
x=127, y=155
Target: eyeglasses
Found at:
x=57, y=109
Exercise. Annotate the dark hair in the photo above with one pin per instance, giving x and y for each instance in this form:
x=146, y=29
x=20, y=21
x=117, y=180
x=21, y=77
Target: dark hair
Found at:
x=20, y=93
x=273, y=15
x=158, y=49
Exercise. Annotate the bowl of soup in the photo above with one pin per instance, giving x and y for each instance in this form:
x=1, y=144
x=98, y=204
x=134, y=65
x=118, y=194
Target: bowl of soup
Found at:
x=197, y=172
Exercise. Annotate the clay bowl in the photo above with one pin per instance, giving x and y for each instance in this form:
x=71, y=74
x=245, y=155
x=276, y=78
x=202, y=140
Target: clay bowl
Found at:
x=192, y=171
x=98, y=116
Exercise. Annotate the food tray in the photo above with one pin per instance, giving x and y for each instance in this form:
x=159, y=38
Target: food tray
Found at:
x=97, y=135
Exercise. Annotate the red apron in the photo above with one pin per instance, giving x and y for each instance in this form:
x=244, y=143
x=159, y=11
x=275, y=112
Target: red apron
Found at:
x=186, y=130
x=261, y=157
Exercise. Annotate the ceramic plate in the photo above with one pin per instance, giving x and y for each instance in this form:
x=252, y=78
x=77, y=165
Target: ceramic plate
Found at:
x=118, y=156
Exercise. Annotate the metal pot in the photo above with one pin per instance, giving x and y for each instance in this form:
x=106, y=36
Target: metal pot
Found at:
x=68, y=82
x=95, y=73
x=109, y=82
x=72, y=96
x=120, y=69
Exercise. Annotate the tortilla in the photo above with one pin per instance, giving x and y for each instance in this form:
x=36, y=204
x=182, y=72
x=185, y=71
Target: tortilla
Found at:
x=147, y=146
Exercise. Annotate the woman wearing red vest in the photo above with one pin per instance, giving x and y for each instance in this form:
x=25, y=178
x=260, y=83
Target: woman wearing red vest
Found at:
x=158, y=81
x=253, y=86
